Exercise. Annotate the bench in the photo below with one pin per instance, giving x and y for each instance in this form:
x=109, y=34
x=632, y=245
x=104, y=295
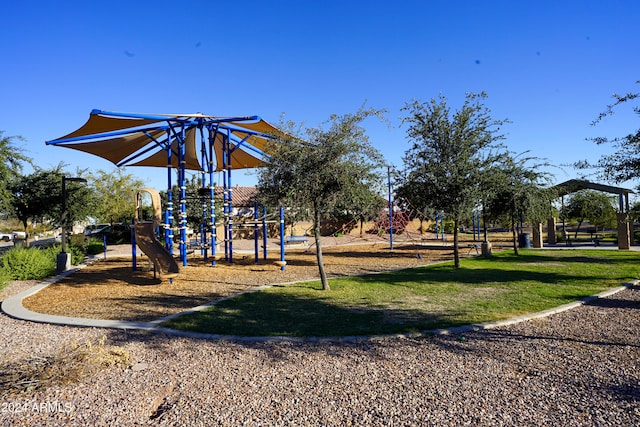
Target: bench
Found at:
x=295, y=239
x=475, y=246
x=197, y=244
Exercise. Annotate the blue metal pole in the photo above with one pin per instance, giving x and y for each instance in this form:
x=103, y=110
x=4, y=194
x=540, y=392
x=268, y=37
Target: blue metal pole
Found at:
x=183, y=198
x=282, y=236
x=390, y=209
x=104, y=239
x=225, y=203
x=230, y=196
x=168, y=213
x=473, y=225
x=203, y=185
x=440, y=229
x=125, y=132
x=256, y=229
x=264, y=232
x=178, y=118
x=212, y=216
x=134, y=244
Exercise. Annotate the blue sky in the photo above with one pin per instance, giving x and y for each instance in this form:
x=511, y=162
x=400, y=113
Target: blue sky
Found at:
x=550, y=67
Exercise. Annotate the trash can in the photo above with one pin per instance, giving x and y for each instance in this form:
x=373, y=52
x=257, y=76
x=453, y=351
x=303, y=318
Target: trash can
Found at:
x=524, y=240
x=18, y=242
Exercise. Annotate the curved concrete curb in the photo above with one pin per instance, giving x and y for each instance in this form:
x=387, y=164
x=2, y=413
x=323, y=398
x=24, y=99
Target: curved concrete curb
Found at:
x=538, y=315
x=13, y=307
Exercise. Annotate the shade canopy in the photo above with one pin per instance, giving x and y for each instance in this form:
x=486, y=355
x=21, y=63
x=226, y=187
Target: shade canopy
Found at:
x=574, y=185
x=132, y=139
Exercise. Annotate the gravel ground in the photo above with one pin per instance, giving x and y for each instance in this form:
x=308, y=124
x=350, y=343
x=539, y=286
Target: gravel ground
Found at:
x=577, y=368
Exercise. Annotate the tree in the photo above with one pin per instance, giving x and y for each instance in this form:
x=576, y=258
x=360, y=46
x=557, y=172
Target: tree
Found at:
x=517, y=191
x=319, y=173
x=364, y=203
x=448, y=155
x=37, y=197
x=114, y=193
x=404, y=194
x=11, y=163
x=593, y=206
x=624, y=164
x=634, y=212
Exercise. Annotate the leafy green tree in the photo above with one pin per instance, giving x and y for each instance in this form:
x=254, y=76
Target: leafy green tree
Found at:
x=363, y=203
x=405, y=192
x=114, y=193
x=634, y=212
x=624, y=163
x=449, y=153
x=37, y=198
x=593, y=206
x=11, y=165
x=517, y=191
x=322, y=172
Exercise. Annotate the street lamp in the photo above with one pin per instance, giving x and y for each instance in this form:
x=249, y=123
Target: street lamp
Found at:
x=63, y=259
x=390, y=209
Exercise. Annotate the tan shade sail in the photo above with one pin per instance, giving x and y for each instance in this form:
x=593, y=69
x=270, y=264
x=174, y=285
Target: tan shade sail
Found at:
x=260, y=126
x=141, y=139
x=98, y=124
x=240, y=159
x=160, y=159
x=117, y=149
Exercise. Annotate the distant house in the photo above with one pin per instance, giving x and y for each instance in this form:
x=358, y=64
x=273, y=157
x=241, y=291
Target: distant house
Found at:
x=242, y=199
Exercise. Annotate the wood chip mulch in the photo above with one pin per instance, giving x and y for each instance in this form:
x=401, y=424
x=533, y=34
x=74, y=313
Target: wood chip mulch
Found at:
x=109, y=289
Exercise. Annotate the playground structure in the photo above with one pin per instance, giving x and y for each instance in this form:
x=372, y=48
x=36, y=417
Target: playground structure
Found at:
x=144, y=236
x=203, y=143
x=208, y=145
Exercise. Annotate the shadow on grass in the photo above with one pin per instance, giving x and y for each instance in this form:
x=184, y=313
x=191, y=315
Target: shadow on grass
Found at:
x=399, y=251
x=251, y=314
x=289, y=314
x=275, y=314
x=570, y=256
x=447, y=273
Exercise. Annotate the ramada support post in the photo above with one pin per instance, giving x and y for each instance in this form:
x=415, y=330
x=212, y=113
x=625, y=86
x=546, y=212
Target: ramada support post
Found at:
x=552, y=238
x=537, y=235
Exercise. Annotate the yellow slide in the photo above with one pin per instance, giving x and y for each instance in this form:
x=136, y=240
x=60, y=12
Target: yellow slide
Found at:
x=165, y=264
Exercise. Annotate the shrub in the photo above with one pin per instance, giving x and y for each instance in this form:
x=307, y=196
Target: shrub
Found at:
x=93, y=246
x=4, y=279
x=119, y=234
x=28, y=263
x=448, y=226
x=77, y=253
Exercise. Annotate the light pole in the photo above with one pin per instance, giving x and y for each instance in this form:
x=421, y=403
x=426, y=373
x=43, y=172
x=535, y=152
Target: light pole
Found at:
x=390, y=208
x=63, y=258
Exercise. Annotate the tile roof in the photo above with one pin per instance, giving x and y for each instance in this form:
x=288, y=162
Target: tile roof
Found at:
x=241, y=196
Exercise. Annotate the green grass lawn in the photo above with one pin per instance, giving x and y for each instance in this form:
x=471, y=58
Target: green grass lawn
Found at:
x=420, y=299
